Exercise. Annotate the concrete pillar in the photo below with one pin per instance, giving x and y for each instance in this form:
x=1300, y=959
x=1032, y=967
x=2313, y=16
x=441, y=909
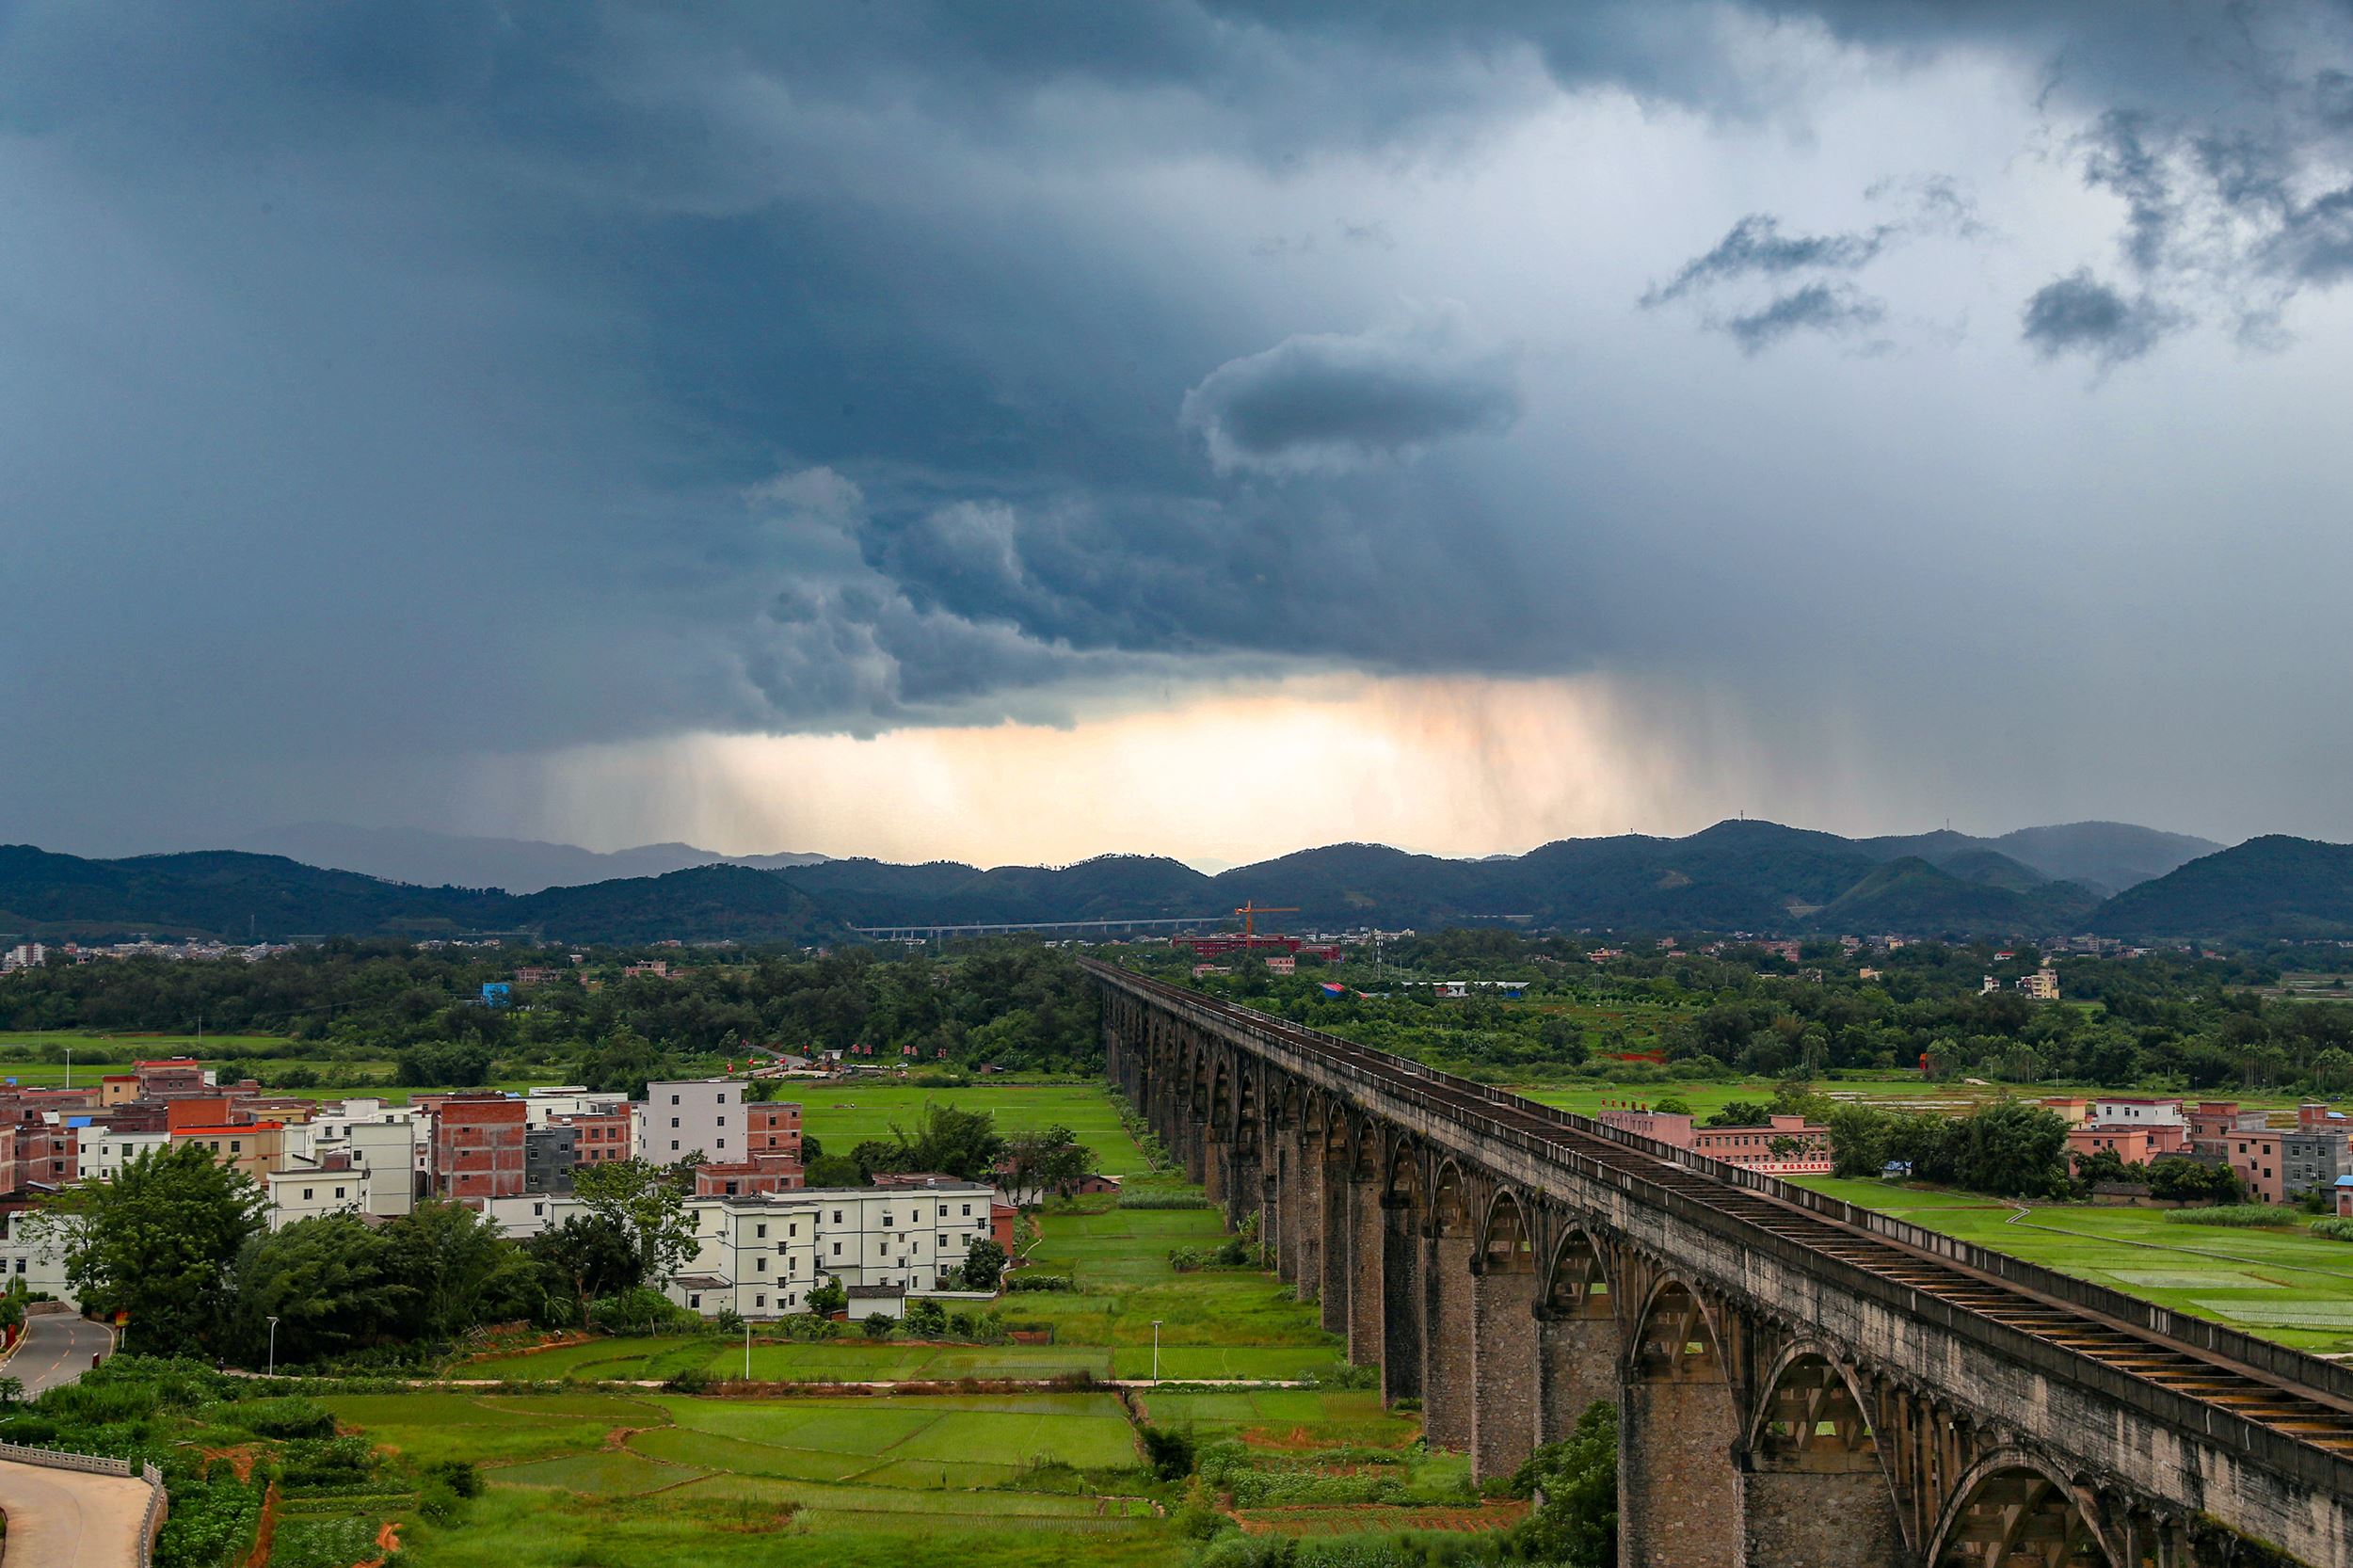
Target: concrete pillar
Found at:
x=1338, y=1268
x=1367, y=1305
x=1307, y=1234
x=1402, y=1300
x=1796, y=1519
x=1214, y=1178
x=1447, y=1387
x=1503, y=1362
x=1576, y=1363
x=1678, y=1495
x=1246, y=1195
x=1286, y=1204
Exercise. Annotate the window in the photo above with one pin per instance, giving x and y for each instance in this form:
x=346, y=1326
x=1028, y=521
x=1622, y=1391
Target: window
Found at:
x=885, y=1222
x=306, y=1195
x=236, y=1145
x=674, y=1102
x=837, y=1249
x=723, y=1121
x=760, y=1265
x=674, y=1121
x=694, y=1301
x=967, y=1210
x=760, y=1301
x=761, y=1231
x=943, y=1210
x=338, y=1191
x=673, y=1146
x=723, y=1143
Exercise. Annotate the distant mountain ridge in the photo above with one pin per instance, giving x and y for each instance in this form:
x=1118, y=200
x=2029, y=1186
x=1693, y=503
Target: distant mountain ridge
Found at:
x=432, y=859
x=1735, y=876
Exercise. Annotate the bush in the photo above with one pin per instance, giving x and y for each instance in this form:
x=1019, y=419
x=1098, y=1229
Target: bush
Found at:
x=1039, y=1282
x=877, y=1325
x=281, y=1417
x=2241, y=1215
x=1164, y=1199
x=926, y=1319
x=1171, y=1454
x=643, y=1310
x=459, y=1475
x=2333, y=1229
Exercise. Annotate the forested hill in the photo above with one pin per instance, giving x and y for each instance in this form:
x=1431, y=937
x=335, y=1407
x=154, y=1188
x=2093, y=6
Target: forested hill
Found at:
x=2269, y=886
x=1733, y=877
x=237, y=896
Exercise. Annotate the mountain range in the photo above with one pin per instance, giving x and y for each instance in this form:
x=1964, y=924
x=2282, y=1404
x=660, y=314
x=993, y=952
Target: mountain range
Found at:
x=458, y=860
x=2107, y=877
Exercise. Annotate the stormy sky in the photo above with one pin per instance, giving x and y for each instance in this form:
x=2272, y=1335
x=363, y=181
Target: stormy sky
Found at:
x=1204, y=427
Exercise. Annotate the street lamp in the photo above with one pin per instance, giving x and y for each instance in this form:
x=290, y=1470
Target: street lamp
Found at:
x=747, y=1349
x=273, y=1347
x=1156, y=1349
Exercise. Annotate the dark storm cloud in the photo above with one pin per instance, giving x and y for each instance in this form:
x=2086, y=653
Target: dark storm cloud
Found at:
x=1334, y=400
x=1817, y=307
x=2079, y=315
x=1757, y=247
x=432, y=352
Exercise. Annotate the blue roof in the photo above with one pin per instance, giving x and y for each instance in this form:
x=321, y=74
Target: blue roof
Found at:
x=2345, y=1181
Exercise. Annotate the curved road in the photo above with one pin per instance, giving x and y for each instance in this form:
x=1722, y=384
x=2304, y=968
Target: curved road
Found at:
x=65, y=1518
x=56, y=1350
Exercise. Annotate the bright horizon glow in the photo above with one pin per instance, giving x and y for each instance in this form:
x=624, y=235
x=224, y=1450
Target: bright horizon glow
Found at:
x=1217, y=776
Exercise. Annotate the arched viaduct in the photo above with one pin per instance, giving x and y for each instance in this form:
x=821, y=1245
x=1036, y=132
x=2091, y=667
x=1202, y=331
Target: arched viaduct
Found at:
x=1799, y=1383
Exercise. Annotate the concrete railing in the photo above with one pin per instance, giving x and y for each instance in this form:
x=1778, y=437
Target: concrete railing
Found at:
x=158, y=1505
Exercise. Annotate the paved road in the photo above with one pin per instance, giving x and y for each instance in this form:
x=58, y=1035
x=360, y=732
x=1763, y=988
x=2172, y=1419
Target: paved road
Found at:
x=56, y=1350
x=66, y=1519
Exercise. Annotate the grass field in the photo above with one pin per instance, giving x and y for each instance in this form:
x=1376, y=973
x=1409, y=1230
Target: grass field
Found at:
x=1900, y=1091
x=2286, y=1284
x=844, y=1114
x=622, y=1481
x=1213, y=1323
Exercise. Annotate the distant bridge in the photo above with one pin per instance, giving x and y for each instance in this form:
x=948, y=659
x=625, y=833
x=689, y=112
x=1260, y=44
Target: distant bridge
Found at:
x=930, y=932
x=1799, y=1383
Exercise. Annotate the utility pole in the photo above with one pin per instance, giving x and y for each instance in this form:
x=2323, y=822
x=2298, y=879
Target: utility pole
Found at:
x=273, y=1347
x=747, y=1349
x=1156, y=1351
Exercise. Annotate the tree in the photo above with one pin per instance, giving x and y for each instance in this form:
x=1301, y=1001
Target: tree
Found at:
x=833, y=1170
x=1052, y=1161
x=1576, y=1523
x=926, y=1319
x=588, y=1255
x=877, y=1325
x=644, y=1204
x=984, y=1265
x=954, y=1141
x=1741, y=1114
x=158, y=1242
x=828, y=1299
x=1673, y=1105
x=460, y=1271
x=328, y=1282
x=2013, y=1149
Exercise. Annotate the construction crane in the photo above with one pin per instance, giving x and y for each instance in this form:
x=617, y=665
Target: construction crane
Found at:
x=1250, y=910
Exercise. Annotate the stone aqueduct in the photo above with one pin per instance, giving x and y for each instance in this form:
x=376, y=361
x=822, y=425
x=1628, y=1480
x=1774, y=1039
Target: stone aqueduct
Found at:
x=1800, y=1384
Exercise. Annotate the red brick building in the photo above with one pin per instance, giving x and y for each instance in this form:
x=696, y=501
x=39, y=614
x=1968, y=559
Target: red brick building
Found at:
x=746, y=1176
x=604, y=1135
x=775, y=1129
x=478, y=1146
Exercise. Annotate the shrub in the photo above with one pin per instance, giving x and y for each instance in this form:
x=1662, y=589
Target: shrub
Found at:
x=1172, y=1454
x=2333, y=1229
x=1164, y=1199
x=2241, y=1215
x=1039, y=1282
x=459, y=1475
x=877, y=1325
x=281, y=1417
x=926, y=1319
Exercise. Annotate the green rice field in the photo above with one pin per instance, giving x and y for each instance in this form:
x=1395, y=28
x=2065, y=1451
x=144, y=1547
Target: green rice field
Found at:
x=625, y=1480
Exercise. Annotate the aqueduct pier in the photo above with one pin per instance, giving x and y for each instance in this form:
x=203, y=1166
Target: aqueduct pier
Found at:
x=1799, y=1383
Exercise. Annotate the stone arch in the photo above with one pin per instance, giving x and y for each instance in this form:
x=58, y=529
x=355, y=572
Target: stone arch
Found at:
x=1814, y=1463
x=1506, y=1243
x=1576, y=1286
x=1402, y=1186
x=1450, y=1206
x=1403, y=1293
x=1578, y=1355
x=2012, y=1510
x=1678, y=1481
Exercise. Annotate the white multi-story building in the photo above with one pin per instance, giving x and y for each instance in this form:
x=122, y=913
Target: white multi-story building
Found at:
x=26, y=956
x=101, y=1153
x=307, y=1190
x=544, y=1104
x=761, y=1253
x=687, y=1116
x=35, y=1254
